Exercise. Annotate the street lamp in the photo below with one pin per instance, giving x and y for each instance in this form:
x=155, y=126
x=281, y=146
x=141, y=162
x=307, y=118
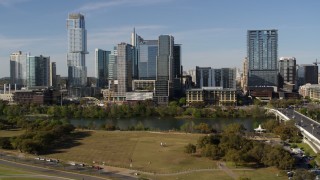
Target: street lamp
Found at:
x=312, y=129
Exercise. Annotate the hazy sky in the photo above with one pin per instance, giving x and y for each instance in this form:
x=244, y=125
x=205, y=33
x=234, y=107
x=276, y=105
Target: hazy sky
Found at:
x=212, y=32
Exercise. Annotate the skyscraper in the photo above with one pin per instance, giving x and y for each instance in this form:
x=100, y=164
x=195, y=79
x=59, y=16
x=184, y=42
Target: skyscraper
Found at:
x=307, y=73
x=148, y=51
x=102, y=63
x=53, y=74
x=18, y=68
x=165, y=69
x=112, y=66
x=287, y=70
x=38, y=71
x=124, y=69
x=262, y=52
x=77, y=50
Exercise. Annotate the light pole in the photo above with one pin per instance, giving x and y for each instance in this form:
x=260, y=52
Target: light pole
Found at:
x=312, y=129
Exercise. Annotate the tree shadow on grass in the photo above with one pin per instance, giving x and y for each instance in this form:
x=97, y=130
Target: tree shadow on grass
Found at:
x=71, y=141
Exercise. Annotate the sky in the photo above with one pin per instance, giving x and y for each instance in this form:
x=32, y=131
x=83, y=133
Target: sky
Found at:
x=212, y=32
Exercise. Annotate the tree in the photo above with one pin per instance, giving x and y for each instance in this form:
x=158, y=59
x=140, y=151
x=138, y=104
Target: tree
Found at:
x=203, y=128
x=302, y=174
x=190, y=148
x=182, y=101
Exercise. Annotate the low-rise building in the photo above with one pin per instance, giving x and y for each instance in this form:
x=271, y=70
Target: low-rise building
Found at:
x=310, y=90
x=212, y=95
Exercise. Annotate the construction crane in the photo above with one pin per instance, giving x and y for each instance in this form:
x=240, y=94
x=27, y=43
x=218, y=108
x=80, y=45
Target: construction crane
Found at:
x=316, y=63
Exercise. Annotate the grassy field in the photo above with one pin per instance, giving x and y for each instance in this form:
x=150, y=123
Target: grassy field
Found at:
x=7, y=173
x=214, y=175
x=140, y=149
x=262, y=174
x=10, y=133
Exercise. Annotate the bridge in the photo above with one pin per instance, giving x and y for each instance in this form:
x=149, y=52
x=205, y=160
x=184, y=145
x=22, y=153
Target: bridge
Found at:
x=309, y=128
x=279, y=115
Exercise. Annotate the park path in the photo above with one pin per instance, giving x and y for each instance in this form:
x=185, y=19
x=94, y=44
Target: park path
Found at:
x=223, y=167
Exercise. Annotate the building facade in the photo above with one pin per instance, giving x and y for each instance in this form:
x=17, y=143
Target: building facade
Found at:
x=307, y=73
x=102, y=67
x=224, y=77
x=147, y=59
x=38, y=71
x=287, y=71
x=164, y=87
x=112, y=66
x=18, y=68
x=77, y=50
x=212, y=95
x=124, y=69
x=262, y=53
x=53, y=75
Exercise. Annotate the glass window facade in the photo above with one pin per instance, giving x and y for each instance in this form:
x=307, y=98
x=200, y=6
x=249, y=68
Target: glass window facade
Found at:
x=77, y=49
x=262, y=46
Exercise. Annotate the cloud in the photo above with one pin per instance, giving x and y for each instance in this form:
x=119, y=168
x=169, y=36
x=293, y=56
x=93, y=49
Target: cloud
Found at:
x=10, y=3
x=112, y=3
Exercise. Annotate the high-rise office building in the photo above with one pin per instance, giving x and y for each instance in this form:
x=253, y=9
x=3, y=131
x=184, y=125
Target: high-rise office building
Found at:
x=262, y=53
x=102, y=67
x=77, y=50
x=244, y=77
x=148, y=51
x=228, y=78
x=38, y=71
x=124, y=69
x=165, y=66
x=177, y=71
x=112, y=66
x=53, y=74
x=307, y=73
x=287, y=70
x=136, y=40
x=208, y=77
x=18, y=68
x=202, y=76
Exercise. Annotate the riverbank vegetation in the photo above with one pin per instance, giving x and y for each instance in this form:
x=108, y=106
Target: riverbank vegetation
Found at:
x=139, y=109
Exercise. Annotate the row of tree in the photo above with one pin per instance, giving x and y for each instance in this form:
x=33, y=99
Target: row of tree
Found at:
x=142, y=109
x=40, y=136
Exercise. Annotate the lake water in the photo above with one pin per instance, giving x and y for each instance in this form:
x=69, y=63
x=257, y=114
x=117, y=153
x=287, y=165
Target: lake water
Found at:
x=167, y=123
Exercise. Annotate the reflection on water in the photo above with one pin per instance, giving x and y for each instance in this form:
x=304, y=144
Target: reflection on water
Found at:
x=167, y=123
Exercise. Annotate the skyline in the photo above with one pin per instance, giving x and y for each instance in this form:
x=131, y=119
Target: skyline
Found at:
x=212, y=33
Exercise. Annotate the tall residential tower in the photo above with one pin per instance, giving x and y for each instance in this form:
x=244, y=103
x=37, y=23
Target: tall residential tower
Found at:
x=262, y=51
x=77, y=50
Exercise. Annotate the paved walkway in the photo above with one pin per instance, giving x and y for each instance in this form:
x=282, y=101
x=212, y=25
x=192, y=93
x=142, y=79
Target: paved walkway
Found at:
x=223, y=167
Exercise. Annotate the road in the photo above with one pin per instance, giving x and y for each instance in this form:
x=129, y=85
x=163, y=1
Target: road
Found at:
x=311, y=126
x=54, y=173
x=57, y=174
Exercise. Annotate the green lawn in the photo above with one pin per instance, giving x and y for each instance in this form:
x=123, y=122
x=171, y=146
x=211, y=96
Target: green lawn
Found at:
x=214, y=175
x=143, y=148
x=10, y=133
x=7, y=173
x=262, y=174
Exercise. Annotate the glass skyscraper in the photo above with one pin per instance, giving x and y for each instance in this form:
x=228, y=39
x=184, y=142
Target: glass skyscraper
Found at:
x=165, y=69
x=77, y=50
x=38, y=71
x=148, y=51
x=262, y=52
x=102, y=63
x=112, y=66
x=18, y=68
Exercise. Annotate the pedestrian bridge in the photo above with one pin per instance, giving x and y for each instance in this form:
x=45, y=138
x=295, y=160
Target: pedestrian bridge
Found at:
x=279, y=115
